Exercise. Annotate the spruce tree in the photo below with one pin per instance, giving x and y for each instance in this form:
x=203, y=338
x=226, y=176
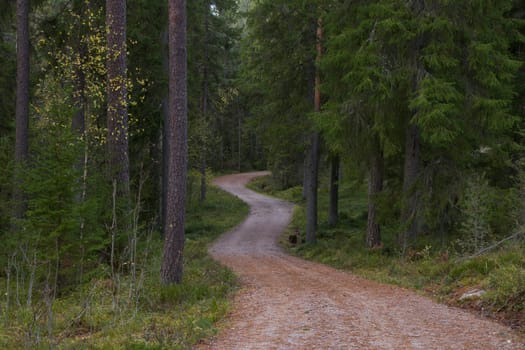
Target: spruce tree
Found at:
x=424, y=69
x=462, y=90
x=365, y=93
x=281, y=94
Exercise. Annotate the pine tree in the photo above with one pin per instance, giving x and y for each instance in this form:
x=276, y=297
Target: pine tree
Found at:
x=312, y=162
x=205, y=93
x=171, y=270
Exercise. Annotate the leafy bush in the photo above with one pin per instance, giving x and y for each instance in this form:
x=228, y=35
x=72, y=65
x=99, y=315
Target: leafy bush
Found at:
x=507, y=288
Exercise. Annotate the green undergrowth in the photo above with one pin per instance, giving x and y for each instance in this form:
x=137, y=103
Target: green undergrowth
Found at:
x=135, y=313
x=434, y=267
x=266, y=185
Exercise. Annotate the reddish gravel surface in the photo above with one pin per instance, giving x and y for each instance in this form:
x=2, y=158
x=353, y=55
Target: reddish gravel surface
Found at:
x=289, y=303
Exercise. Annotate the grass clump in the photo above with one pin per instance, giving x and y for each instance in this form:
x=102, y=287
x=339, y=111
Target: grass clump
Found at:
x=506, y=285
x=126, y=313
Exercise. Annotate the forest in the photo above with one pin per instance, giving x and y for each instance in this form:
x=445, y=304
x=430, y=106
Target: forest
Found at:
x=396, y=127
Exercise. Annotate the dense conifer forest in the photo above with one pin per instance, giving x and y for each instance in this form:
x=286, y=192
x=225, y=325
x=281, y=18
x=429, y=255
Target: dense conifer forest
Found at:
x=395, y=126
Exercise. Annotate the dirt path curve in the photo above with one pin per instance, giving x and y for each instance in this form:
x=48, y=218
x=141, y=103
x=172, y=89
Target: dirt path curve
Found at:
x=288, y=303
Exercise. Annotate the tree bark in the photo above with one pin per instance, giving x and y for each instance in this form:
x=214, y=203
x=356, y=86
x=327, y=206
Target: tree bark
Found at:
x=203, y=174
x=311, y=189
x=333, y=213
x=409, y=219
x=409, y=212
x=375, y=186
x=305, y=175
x=239, y=141
x=165, y=160
x=117, y=108
x=22, y=101
x=171, y=269
x=204, y=107
x=313, y=154
x=164, y=138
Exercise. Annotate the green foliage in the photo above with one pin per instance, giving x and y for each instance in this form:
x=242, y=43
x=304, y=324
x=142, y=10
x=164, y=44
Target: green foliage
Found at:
x=364, y=76
x=124, y=313
x=202, y=138
x=59, y=241
x=7, y=95
x=268, y=185
x=487, y=213
x=507, y=284
x=6, y=177
x=452, y=68
x=61, y=290
x=7, y=112
x=388, y=66
x=213, y=61
x=278, y=69
x=475, y=208
x=147, y=69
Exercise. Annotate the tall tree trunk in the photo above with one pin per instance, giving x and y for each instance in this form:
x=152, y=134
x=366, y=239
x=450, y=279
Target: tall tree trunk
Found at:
x=171, y=269
x=409, y=214
x=78, y=126
x=203, y=174
x=117, y=109
x=305, y=175
x=219, y=126
x=22, y=101
x=164, y=138
x=165, y=160
x=204, y=107
x=239, y=141
x=375, y=186
x=78, y=123
x=313, y=156
x=518, y=12
x=311, y=188
x=333, y=213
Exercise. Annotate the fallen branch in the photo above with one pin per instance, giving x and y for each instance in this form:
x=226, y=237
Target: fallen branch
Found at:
x=495, y=245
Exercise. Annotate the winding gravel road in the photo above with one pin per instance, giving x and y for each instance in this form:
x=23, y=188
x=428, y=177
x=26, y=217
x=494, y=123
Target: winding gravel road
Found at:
x=289, y=303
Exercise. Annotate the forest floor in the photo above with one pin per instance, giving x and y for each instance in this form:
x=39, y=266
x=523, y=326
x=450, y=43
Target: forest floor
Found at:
x=289, y=303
